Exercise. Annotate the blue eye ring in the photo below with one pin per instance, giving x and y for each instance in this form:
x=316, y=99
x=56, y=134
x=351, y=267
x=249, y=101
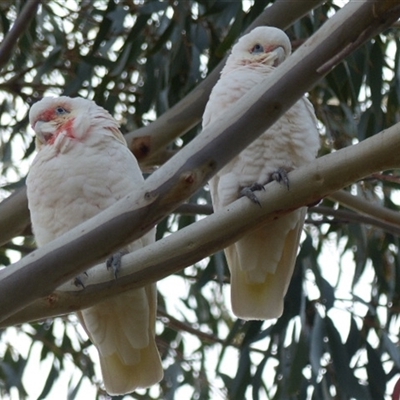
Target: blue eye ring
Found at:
x=61, y=110
x=257, y=48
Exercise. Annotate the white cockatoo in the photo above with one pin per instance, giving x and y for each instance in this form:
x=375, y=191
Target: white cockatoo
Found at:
x=261, y=262
x=82, y=167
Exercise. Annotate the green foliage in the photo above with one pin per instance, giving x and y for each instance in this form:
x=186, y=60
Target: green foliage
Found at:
x=338, y=336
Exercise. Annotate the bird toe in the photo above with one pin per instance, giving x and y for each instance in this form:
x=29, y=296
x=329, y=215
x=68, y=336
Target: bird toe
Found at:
x=281, y=176
x=80, y=280
x=114, y=262
x=248, y=191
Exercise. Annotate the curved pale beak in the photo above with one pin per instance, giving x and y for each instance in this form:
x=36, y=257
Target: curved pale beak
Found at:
x=44, y=131
x=280, y=55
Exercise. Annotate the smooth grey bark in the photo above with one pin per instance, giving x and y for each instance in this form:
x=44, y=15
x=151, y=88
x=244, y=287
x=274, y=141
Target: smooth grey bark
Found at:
x=202, y=238
x=42, y=271
x=153, y=138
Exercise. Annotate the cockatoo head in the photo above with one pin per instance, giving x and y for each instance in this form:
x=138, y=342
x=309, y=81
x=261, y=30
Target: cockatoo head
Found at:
x=57, y=119
x=263, y=45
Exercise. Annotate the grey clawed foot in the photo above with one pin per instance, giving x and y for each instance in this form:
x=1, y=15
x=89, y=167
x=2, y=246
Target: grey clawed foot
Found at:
x=248, y=191
x=281, y=176
x=80, y=280
x=114, y=262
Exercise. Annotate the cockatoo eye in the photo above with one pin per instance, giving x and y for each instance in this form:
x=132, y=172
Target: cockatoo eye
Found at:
x=61, y=110
x=257, y=48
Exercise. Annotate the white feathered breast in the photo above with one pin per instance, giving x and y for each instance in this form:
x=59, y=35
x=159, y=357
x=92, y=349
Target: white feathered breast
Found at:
x=66, y=188
x=289, y=143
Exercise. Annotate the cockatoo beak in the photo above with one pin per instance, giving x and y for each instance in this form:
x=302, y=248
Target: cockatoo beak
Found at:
x=280, y=55
x=44, y=131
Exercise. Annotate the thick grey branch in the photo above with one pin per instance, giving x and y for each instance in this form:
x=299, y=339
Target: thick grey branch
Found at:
x=42, y=271
x=194, y=242
x=14, y=215
x=179, y=119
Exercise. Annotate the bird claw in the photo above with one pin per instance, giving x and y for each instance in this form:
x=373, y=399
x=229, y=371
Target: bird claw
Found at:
x=114, y=262
x=248, y=191
x=281, y=176
x=80, y=280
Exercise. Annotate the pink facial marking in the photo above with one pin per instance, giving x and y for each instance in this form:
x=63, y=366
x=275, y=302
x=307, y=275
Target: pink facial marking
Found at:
x=66, y=128
x=269, y=48
x=47, y=115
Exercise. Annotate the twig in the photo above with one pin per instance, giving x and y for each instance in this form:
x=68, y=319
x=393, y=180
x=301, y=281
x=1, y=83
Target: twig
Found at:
x=19, y=27
x=384, y=178
x=365, y=207
x=183, y=326
x=194, y=209
x=350, y=216
x=202, y=336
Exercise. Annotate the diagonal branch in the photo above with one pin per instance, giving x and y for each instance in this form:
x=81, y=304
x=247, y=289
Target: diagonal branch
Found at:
x=127, y=220
x=19, y=27
x=365, y=207
x=176, y=121
x=14, y=215
x=351, y=216
x=148, y=142
x=209, y=235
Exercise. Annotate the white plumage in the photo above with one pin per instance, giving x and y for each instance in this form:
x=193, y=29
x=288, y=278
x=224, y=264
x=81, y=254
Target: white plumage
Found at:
x=261, y=263
x=82, y=167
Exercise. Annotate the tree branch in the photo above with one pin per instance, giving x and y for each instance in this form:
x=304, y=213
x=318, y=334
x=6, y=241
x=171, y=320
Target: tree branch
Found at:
x=191, y=244
x=19, y=27
x=148, y=143
x=176, y=121
x=350, y=216
x=42, y=271
x=365, y=207
x=14, y=215
x=180, y=326
x=194, y=209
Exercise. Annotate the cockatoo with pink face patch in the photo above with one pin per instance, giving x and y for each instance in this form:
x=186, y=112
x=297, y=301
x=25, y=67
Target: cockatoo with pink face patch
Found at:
x=82, y=167
x=261, y=262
